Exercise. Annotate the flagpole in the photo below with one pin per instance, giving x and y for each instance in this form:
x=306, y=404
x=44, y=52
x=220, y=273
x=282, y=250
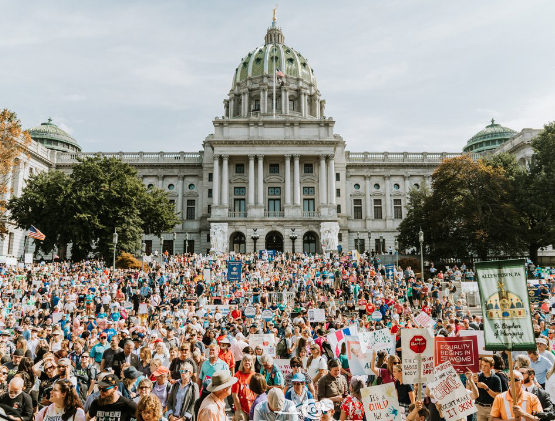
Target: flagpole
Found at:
x=274, y=99
x=511, y=368
x=24, y=246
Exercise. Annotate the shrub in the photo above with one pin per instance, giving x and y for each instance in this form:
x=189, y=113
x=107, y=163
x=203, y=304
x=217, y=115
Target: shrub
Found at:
x=127, y=261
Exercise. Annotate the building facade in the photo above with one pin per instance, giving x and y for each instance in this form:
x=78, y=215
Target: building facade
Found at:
x=274, y=175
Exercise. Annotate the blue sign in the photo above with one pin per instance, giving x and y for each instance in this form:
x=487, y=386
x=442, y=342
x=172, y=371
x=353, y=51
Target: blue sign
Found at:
x=234, y=271
x=376, y=316
x=389, y=271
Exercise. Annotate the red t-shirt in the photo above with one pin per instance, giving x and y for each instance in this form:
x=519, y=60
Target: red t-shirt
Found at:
x=370, y=308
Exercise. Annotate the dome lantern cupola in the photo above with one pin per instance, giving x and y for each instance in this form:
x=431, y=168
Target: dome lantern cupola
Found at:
x=489, y=139
x=274, y=35
x=52, y=137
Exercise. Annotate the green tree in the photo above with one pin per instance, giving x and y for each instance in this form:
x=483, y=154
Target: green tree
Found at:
x=99, y=196
x=416, y=216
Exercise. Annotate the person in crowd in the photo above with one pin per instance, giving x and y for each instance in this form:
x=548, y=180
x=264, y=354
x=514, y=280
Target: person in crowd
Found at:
x=258, y=386
x=243, y=397
x=541, y=366
x=520, y=406
x=149, y=408
x=316, y=364
x=385, y=374
x=182, y=397
x=530, y=384
x=489, y=386
x=111, y=405
x=66, y=404
x=162, y=386
x=18, y=401
x=213, y=406
x=298, y=393
x=126, y=357
x=352, y=407
x=405, y=392
x=297, y=368
x=272, y=373
x=275, y=408
x=185, y=356
x=333, y=386
x=212, y=364
x=110, y=353
x=144, y=388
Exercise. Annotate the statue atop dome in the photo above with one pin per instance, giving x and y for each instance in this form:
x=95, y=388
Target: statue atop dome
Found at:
x=275, y=11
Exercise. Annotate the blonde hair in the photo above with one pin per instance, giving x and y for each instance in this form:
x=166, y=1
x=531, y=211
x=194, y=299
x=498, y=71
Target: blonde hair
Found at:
x=149, y=403
x=251, y=359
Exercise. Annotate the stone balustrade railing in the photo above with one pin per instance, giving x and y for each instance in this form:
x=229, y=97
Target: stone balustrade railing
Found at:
x=136, y=157
x=405, y=157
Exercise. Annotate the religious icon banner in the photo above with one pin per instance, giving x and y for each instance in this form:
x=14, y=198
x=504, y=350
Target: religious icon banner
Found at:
x=505, y=305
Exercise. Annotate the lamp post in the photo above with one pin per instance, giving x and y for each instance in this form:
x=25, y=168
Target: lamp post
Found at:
x=397, y=252
x=369, y=248
x=421, y=239
x=381, y=245
x=293, y=237
x=174, y=238
x=186, y=242
x=115, y=241
x=143, y=251
x=357, y=245
x=161, y=248
x=255, y=237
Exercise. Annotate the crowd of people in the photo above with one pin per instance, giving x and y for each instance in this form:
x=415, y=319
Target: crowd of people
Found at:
x=80, y=341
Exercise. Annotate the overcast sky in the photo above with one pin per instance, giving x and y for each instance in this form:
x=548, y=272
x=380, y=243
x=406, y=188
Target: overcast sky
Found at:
x=397, y=75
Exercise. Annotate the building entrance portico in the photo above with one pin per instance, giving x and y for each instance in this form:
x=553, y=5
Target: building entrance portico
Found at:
x=274, y=241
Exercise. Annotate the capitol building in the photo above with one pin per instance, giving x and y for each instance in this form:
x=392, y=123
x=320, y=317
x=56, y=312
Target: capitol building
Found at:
x=273, y=174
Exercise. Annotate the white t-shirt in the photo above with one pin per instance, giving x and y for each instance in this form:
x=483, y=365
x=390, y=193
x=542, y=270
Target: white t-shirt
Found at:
x=316, y=365
x=51, y=413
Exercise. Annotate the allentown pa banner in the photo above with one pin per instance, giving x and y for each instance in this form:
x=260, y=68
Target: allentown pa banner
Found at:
x=505, y=305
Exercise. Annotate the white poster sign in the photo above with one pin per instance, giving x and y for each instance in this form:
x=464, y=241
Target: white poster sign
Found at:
x=480, y=337
x=359, y=361
x=28, y=258
x=381, y=403
x=284, y=366
x=423, y=320
x=143, y=308
x=418, y=342
x=449, y=391
x=222, y=308
x=377, y=340
x=266, y=341
x=316, y=315
x=206, y=275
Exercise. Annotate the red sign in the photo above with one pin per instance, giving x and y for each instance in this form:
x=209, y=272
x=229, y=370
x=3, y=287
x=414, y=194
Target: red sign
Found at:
x=462, y=352
x=417, y=344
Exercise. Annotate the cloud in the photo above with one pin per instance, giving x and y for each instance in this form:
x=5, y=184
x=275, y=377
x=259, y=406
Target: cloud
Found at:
x=75, y=97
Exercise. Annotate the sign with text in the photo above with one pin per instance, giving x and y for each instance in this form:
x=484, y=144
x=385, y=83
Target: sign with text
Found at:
x=377, y=340
x=359, y=361
x=423, y=320
x=206, y=275
x=316, y=315
x=234, y=271
x=337, y=339
x=505, y=305
x=381, y=403
x=284, y=366
x=266, y=341
x=418, y=343
x=462, y=353
x=449, y=391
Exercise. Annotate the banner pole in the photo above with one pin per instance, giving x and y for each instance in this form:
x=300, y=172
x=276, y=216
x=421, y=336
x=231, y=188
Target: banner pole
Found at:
x=419, y=387
x=513, y=388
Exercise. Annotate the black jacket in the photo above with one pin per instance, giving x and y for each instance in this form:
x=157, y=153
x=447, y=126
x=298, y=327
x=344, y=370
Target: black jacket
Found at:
x=188, y=405
x=119, y=360
x=545, y=399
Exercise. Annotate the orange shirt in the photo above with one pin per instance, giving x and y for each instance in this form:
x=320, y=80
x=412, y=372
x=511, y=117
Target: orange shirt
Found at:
x=227, y=357
x=498, y=409
x=245, y=395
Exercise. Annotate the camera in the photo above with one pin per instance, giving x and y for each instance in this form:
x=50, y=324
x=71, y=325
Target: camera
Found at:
x=544, y=416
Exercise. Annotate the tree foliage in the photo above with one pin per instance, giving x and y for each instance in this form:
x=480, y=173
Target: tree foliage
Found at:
x=100, y=195
x=13, y=142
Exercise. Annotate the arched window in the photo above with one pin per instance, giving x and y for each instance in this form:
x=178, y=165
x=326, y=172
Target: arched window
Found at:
x=238, y=243
x=309, y=243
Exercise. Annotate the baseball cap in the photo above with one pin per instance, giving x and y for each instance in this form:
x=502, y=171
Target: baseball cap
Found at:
x=298, y=378
x=161, y=371
x=18, y=353
x=103, y=335
x=109, y=380
x=276, y=399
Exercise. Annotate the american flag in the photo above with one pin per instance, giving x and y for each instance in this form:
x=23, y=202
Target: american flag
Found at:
x=279, y=73
x=35, y=233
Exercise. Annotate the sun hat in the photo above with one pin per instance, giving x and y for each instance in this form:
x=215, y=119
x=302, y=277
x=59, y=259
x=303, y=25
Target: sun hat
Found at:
x=276, y=399
x=220, y=380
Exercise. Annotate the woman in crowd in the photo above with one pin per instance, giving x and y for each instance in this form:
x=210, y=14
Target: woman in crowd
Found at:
x=316, y=364
x=297, y=368
x=149, y=408
x=299, y=393
x=145, y=357
x=405, y=392
x=352, y=407
x=182, y=396
x=65, y=405
x=385, y=374
x=257, y=385
x=243, y=397
x=144, y=389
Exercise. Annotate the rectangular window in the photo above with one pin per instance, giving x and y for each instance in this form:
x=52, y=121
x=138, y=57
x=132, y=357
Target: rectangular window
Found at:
x=337, y=176
x=274, y=191
x=397, y=209
x=190, y=209
x=210, y=176
x=274, y=207
x=209, y=209
x=357, y=208
x=309, y=191
x=239, y=206
x=338, y=209
x=239, y=168
x=209, y=193
x=308, y=205
x=167, y=246
x=380, y=245
x=291, y=105
x=208, y=237
x=172, y=202
x=256, y=105
x=308, y=169
x=188, y=246
x=359, y=244
x=337, y=192
x=339, y=237
x=239, y=191
x=148, y=247
x=274, y=168
x=377, y=208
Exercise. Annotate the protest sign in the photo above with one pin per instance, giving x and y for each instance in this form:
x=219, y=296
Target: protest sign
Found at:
x=462, y=353
x=449, y=391
x=250, y=312
x=381, y=403
x=505, y=305
x=423, y=320
x=222, y=308
x=234, y=271
x=377, y=340
x=359, y=361
x=206, y=275
x=418, y=344
x=143, y=308
x=266, y=341
x=376, y=316
x=337, y=338
x=316, y=315
x=267, y=315
x=284, y=366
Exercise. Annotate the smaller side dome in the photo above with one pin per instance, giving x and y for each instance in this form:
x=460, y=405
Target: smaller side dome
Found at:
x=52, y=137
x=489, y=138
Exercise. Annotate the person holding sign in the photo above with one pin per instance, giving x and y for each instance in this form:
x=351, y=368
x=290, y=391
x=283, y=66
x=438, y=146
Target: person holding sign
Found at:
x=504, y=406
x=489, y=386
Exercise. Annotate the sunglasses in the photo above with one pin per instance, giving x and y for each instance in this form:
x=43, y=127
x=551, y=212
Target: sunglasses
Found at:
x=184, y=371
x=105, y=389
x=144, y=388
x=4, y=373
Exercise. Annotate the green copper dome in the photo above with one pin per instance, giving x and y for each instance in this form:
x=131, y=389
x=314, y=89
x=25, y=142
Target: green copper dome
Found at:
x=489, y=138
x=260, y=61
x=51, y=136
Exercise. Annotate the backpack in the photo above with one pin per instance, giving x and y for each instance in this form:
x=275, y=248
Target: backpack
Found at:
x=281, y=348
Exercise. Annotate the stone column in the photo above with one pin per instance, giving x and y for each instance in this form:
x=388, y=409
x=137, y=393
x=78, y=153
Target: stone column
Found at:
x=367, y=189
x=296, y=181
x=260, y=180
x=161, y=181
x=317, y=107
x=303, y=104
x=180, y=196
x=251, y=180
x=216, y=181
x=387, y=198
x=285, y=93
x=231, y=106
x=407, y=184
x=261, y=100
x=287, y=179
x=331, y=179
x=322, y=183
x=225, y=180
x=246, y=103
